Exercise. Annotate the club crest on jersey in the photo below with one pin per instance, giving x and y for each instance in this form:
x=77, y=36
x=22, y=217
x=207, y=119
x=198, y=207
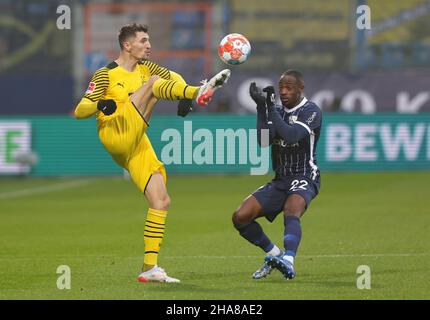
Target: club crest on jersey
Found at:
x=91, y=88
x=280, y=142
x=283, y=144
x=292, y=119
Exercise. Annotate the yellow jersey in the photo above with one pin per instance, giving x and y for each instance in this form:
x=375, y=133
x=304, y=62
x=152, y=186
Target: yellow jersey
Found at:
x=114, y=82
x=123, y=133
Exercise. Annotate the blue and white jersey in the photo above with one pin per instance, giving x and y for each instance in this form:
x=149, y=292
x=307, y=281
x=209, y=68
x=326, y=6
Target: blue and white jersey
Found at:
x=299, y=157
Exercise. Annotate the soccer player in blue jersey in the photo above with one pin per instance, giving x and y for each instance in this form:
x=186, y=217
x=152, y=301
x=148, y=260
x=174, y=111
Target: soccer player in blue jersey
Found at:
x=293, y=131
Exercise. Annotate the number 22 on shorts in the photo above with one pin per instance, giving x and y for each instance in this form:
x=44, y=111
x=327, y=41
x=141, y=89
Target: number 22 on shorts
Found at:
x=298, y=185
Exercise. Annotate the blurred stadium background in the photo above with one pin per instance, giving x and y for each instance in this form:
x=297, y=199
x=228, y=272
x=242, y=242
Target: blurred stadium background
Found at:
x=372, y=85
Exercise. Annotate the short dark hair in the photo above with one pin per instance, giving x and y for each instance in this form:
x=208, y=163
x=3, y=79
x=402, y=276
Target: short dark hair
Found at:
x=296, y=74
x=129, y=31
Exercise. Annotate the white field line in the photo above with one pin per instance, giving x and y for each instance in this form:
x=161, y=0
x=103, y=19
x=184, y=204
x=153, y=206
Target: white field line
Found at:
x=372, y=255
x=315, y=256
x=44, y=189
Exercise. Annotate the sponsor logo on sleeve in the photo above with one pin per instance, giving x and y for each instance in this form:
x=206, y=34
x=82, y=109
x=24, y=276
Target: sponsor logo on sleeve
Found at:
x=91, y=88
x=311, y=118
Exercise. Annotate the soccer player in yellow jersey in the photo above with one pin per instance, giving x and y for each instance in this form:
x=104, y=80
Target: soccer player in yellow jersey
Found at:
x=122, y=95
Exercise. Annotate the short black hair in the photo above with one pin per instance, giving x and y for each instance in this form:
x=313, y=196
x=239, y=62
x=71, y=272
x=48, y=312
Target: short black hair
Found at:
x=129, y=31
x=296, y=74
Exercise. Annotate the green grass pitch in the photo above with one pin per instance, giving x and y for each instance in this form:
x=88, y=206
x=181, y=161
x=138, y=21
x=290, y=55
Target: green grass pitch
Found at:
x=95, y=226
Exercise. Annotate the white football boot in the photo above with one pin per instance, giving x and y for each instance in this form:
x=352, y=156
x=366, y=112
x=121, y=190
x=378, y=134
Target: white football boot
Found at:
x=156, y=274
x=208, y=88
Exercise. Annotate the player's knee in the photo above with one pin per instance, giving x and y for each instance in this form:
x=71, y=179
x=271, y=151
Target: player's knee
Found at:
x=235, y=219
x=153, y=79
x=295, y=206
x=240, y=218
x=165, y=203
x=162, y=203
x=296, y=212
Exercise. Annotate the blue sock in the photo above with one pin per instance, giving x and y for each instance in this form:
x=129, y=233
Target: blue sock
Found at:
x=255, y=234
x=292, y=235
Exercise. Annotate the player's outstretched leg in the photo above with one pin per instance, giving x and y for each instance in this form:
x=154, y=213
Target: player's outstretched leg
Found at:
x=179, y=89
x=208, y=88
x=144, y=100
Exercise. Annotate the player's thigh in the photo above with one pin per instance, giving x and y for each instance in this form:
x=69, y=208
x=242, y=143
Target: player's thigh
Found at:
x=143, y=98
x=271, y=198
x=147, y=110
x=249, y=210
x=301, y=191
x=295, y=205
x=143, y=164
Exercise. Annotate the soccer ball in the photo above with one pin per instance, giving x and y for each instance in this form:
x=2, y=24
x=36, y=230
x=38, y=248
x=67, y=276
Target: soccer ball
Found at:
x=234, y=49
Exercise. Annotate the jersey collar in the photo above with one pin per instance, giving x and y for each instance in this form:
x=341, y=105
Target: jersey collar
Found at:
x=304, y=100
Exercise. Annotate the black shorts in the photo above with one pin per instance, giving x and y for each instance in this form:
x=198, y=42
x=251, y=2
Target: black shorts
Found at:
x=273, y=195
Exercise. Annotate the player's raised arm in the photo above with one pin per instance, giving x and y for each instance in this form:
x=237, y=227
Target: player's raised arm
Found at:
x=262, y=123
x=290, y=133
x=92, y=101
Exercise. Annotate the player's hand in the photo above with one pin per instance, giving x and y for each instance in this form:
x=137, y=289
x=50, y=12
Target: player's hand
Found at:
x=257, y=95
x=107, y=106
x=270, y=96
x=185, y=106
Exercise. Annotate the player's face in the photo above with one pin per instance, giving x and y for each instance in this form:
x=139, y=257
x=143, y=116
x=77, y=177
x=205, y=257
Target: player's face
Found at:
x=139, y=47
x=290, y=91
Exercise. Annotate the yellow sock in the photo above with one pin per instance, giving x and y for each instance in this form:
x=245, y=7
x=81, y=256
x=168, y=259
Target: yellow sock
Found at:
x=153, y=235
x=173, y=90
